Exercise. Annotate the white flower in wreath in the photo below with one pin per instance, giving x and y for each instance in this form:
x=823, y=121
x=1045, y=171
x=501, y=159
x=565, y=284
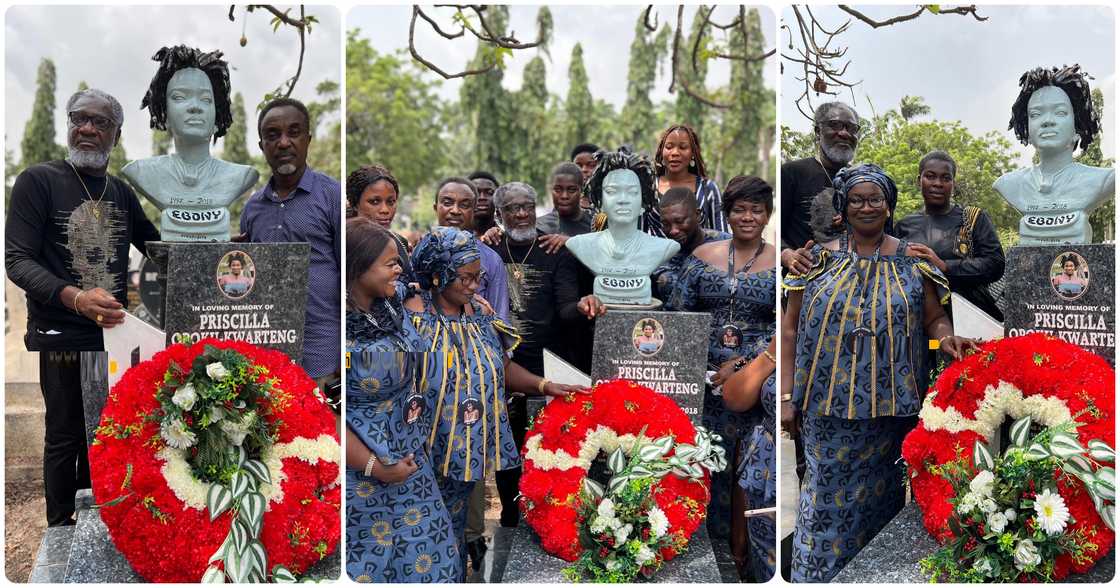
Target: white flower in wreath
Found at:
x=658, y=522
x=644, y=555
x=217, y=413
x=613, y=564
x=967, y=503
x=605, y=508
x=236, y=431
x=623, y=533
x=217, y=371
x=997, y=522
x=982, y=484
x=988, y=506
x=185, y=396
x=1026, y=555
x=177, y=435
x=1052, y=512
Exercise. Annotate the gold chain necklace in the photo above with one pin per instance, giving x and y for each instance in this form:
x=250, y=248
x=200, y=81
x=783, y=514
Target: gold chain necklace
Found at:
x=96, y=203
x=517, y=273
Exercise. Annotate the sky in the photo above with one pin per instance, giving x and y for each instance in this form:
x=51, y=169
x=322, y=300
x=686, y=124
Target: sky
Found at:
x=964, y=69
x=605, y=33
x=120, y=41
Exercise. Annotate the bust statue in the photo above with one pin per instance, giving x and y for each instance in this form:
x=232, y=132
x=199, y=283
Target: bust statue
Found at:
x=621, y=256
x=1054, y=113
x=190, y=97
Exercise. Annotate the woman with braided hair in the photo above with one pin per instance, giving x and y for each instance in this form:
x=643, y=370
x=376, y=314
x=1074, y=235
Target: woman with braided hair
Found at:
x=680, y=163
x=1054, y=113
x=190, y=97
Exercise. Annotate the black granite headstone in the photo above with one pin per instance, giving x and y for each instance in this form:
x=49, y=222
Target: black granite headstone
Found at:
x=151, y=294
x=664, y=351
x=254, y=292
x=1067, y=291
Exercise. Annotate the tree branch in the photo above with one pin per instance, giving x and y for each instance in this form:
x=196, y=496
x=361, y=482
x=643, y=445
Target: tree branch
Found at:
x=645, y=19
x=684, y=83
x=433, y=67
x=301, y=27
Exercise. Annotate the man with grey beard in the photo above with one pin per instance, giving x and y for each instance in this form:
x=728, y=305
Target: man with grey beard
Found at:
x=543, y=295
x=68, y=230
x=836, y=127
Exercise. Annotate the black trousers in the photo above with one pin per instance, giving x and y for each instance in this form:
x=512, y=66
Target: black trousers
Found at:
x=508, y=480
x=65, y=461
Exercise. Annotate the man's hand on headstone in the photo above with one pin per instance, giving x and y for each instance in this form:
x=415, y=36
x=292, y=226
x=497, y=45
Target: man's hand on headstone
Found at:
x=552, y=243
x=798, y=261
x=590, y=306
x=492, y=236
x=99, y=306
x=240, y=238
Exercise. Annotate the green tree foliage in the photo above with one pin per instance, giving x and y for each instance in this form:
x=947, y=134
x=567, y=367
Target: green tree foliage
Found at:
x=234, y=145
x=540, y=139
x=689, y=110
x=38, y=143
x=393, y=116
x=1103, y=219
x=639, y=122
x=325, y=154
x=912, y=106
x=898, y=145
x=161, y=142
x=742, y=141
x=488, y=105
x=579, y=106
x=797, y=145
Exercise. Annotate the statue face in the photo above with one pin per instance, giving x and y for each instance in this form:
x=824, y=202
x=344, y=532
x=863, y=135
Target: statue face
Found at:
x=1050, y=125
x=622, y=196
x=190, y=104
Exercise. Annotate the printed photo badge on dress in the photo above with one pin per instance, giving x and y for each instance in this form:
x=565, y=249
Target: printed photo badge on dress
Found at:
x=415, y=408
x=470, y=410
x=731, y=336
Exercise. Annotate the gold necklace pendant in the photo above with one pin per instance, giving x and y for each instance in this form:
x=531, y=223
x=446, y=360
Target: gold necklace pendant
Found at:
x=517, y=273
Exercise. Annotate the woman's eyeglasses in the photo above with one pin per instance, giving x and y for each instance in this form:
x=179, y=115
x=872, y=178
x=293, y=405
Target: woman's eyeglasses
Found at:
x=873, y=202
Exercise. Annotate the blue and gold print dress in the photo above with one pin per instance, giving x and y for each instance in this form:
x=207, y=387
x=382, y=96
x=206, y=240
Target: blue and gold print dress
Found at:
x=463, y=381
x=394, y=532
x=859, y=374
x=703, y=287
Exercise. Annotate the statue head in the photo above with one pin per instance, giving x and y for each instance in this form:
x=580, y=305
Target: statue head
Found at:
x=635, y=172
x=190, y=93
x=1054, y=109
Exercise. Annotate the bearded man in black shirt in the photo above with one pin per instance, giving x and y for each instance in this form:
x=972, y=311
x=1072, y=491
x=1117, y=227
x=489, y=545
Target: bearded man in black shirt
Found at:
x=836, y=127
x=68, y=231
x=543, y=294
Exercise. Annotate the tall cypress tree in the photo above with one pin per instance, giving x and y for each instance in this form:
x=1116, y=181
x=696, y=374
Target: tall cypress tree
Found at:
x=38, y=143
x=488, y=104
x=639, y=121
x=744, y=124
x=579, y=106
x=689, y=110
x=233, y=144
x=540, y=149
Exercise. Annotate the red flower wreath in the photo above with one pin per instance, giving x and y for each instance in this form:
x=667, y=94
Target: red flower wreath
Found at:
x=570, y=431
x=163, y=537
x=1042, y=376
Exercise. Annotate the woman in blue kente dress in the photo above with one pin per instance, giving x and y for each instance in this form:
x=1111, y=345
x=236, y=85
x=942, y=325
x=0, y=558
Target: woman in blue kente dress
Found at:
x=397, y=528
x=854, y=339
x=735, y=281
x=465, y=377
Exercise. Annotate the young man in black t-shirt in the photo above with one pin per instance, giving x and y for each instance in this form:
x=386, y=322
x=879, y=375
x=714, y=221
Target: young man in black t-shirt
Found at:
x=67, y=237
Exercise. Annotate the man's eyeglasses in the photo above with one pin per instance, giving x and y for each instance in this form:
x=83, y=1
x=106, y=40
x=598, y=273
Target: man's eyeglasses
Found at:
x=838, y=125
x=79, y=119
x=873, y=202
x=518, y=208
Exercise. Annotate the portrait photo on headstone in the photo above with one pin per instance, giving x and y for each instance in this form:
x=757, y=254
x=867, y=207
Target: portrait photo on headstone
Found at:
x=948, y=212
x=173, y=234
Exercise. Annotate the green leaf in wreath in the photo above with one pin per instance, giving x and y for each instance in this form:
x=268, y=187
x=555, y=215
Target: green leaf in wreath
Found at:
x=981, y=457
x=1100, y=451
x=240, y=532
x=1036, y=452
x=1108, y=515
x=649, y=452
x=257, y=556
x=1105, y=483
x=213, y=575
x=281, y=575
x=218, y=500
x=1065, y=446
x=593, y=488
x=1077, y=465
x=640, y=471
x=252, y=512
x=239, y=484
x=243, y=566
x=617, y=461
x=616, y=484
x=258, y=469
x=1021, y=431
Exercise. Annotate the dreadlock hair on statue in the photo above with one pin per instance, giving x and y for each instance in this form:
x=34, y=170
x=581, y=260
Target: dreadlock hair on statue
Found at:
x=624, y=158
x=698, y=169
x=173, y=59
x=1071, y=80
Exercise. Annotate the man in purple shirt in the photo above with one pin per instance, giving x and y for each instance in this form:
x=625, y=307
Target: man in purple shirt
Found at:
x=301, y=205
x=455, y=201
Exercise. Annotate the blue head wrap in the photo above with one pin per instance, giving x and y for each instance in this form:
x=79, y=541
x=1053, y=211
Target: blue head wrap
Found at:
x=440, y=253
x=847, y=178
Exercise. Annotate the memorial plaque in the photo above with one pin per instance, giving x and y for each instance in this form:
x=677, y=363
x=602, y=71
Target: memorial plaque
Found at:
x=253, y=292
x=151, y=294
x=664, y=351
x=1067, y=291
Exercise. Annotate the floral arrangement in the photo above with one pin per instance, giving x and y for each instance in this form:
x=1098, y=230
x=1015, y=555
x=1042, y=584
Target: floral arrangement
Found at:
x=1009, y=520
x=1019, y=377
x=656, y=497
x=218, y=461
